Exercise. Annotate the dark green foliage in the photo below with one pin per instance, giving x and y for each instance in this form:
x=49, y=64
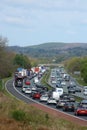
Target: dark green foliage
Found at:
x=22, y=61
x=84, y=71
x=47, y=117
x=78, y=64
x=6, y=65
x=18, y=115
x=9, y=62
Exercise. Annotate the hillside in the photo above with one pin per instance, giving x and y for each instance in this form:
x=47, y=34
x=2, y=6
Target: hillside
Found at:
x=52, y=49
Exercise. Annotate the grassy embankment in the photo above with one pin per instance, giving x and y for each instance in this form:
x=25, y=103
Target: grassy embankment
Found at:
x=17, y=115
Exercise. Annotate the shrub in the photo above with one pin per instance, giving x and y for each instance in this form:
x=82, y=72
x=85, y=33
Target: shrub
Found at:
x=19, y=115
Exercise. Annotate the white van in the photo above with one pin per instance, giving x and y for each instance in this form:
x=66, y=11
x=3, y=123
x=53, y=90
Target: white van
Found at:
x=59, y=90
x=55, y=95
x=36, y=80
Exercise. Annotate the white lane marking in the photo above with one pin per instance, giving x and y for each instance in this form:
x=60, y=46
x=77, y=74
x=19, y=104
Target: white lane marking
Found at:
x=22, y=94
x=10, y=92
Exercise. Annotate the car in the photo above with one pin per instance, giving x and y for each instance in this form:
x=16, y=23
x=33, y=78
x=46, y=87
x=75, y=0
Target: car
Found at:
x=63, y=83
x=85, y=91
x=67, y=77
x=85, y=87
x=28, y=91
x=71, y=98
x=38, y=85
x=36, y=80
x=59, y=79
x=44, y=98
x=51, y=100
x=33, y=88
x=72, y=83
x=61, y=103
x=64, y=96
x=77, y=89
x=58, y=85
x=69, y=106
x=83, y=102
x=80, y=110
x=24, y=87
x=39, y=76
x=31, y=94
x=53, y=81
x=67, y=97
x=44, y=88
x=27, y=81
x=42, y=92
x=71, y=86
x=71, y=90
x=36, y=95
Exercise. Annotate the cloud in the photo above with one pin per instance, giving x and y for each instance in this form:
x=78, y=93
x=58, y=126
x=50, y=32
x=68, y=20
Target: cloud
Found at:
x=39, y=10
x=37, y=14
x=64, y=16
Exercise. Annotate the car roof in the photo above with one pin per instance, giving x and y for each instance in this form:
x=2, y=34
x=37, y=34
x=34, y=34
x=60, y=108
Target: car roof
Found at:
x=84, y=101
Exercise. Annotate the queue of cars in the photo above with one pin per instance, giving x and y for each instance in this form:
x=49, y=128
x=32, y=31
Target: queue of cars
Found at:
x=67, y=100
x=56, y=95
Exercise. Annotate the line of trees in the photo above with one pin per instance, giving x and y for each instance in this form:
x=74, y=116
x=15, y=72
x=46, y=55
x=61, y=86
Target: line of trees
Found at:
x=9, y=61
x=22, y=60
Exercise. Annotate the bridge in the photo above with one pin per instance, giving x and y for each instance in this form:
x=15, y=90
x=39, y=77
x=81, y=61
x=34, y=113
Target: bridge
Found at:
x=52, y=64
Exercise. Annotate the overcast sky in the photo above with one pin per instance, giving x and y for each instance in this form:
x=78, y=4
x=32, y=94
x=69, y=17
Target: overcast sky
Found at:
x=32, y=22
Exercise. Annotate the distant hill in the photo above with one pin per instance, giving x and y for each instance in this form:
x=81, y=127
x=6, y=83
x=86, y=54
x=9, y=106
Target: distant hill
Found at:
x=58, y=45
x=52, y=49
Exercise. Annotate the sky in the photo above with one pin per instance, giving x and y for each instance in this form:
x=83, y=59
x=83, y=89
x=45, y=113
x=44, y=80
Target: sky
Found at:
x=33, y=22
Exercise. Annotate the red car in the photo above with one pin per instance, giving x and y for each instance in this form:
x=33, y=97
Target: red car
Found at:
x=36, y=95
x=27, y=81
x=81, y=110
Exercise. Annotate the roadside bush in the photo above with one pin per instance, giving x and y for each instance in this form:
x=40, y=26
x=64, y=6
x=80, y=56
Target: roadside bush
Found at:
x=18, y=115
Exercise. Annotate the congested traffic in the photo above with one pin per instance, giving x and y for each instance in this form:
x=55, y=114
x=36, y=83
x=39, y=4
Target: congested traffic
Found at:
x=62, y=92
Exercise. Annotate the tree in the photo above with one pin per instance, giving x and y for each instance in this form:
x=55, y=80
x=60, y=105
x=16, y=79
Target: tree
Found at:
x=84, y=68
x=84, y=72
x=3, y=57
x=3, y=42
x=78, y=64
x=73, y=64
x=22, y=61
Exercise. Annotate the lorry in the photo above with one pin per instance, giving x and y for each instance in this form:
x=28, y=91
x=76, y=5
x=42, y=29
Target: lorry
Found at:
x=55, y=95
x=19, y=81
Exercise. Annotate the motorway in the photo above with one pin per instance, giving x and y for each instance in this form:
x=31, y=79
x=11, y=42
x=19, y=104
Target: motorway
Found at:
x=17, y=92
x=78, y=94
